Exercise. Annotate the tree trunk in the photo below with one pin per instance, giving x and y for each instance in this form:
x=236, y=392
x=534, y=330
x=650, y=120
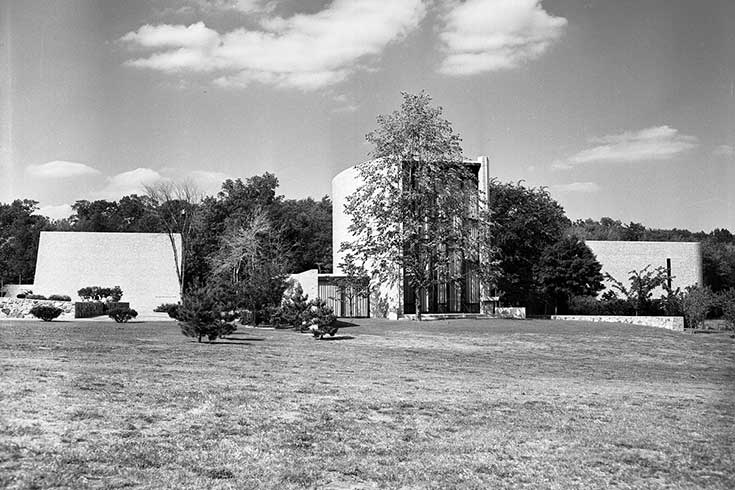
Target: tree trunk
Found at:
x=417, y=300
x=200, y=338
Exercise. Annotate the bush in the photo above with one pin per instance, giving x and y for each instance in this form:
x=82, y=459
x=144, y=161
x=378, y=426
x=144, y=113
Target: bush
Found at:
x=59, y=297
x=319, y=319
x=122, y=314
x=609, y=305
x=46, y=312
x=293, y=306
x=23, y=294
x=88, y=309
x=696, y=304
x=726, y=302
x=171, y=308
x=97, y=293
x=35, y=296
x=205, y=313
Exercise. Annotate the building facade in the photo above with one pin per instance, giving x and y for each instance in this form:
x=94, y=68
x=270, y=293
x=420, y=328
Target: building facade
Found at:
x=392, y=299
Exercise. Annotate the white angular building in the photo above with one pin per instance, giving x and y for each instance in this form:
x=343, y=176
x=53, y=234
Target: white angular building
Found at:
x=142, y=264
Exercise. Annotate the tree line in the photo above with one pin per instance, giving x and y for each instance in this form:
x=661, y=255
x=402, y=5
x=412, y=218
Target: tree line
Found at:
x=302, y=227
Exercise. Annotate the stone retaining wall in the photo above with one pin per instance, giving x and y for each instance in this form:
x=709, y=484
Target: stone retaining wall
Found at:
x=510, y=312
x=675, y=323
x=20, y=308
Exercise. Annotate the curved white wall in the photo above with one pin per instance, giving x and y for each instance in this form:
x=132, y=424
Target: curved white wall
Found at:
x=344, y=184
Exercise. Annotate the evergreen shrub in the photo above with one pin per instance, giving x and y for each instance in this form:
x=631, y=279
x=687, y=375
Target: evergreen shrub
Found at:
x=46, y=312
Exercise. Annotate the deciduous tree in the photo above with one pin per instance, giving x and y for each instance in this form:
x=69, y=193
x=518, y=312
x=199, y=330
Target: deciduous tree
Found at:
x=416, y=209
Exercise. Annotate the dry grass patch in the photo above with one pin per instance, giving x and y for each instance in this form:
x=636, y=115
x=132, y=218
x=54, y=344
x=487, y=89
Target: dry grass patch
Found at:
x=461, y=404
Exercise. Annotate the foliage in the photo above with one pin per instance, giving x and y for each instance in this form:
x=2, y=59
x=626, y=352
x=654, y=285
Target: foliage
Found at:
x=726, y=302
x=413, y=211
x=608, y=305
x=568, y=268
x=319, y=319
x=697, y=303
x=176, y=206
x=122, y=314
x=88, y=309
x=59, y=297
x=355, y=284
x=642, y=284
x=252, y=263
x=206, y=311
x=20, y=229
x=35, y=296
x=46, y=312
x=306, y=226
x=293, y=306
x=526, y=221
x=171, y=308
x=98, y=293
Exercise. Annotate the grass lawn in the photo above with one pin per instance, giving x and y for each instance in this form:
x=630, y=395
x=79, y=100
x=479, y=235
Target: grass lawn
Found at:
x=460, y=404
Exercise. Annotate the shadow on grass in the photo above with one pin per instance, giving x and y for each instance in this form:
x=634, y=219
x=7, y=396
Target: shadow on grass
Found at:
x=344, y=324
x=227, y=342
x=339, y=337
x=249, y=339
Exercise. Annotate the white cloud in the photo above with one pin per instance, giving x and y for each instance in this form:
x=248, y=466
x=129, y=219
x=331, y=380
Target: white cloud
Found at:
x=209, y=182
x=489, y=35
x=59, y=169
x=305, y=51
x=130, y=182
x=576, y=187
x=560, y=165
x=655, y=143
x=59, y=211
x=726, y=151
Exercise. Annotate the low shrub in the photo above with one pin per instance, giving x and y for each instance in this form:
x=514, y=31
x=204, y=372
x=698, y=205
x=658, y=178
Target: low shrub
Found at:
x=696, y=304
x=171, y=308
x=319, y=319
x=291, y=311
x=23, y=294
x=726, y=302
x=35, y=296
x=88, y=309
x=59, y=297
x=46, y=312
x=203, y=313
x=97, y=293
x=122, y=314
x=588, y=305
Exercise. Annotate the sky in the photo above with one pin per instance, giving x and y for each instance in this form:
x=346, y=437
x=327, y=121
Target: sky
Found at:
x=622, y=108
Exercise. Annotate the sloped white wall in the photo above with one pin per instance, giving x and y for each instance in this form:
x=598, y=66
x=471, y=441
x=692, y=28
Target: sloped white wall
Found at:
x=618, y=258
x=142, y=264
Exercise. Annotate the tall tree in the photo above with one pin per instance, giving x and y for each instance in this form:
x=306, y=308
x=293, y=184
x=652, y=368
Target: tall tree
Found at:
x=568, y=268
x=20, y=229
x=176, y=205
x=416, y=209
x=306, y=228
x=527, y=221
x=251, y=262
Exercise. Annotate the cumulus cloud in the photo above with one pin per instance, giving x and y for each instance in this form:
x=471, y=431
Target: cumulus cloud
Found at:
x=304, y=51
x=576, y=187
x=59, y=211
x=130, y=182
x=726, y=151
x=489, y=35
x=209, y=182
x=655, y=143
x=59, y=169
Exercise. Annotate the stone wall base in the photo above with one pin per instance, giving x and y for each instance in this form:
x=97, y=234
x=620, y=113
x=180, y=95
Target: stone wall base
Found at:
x=675, y=323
